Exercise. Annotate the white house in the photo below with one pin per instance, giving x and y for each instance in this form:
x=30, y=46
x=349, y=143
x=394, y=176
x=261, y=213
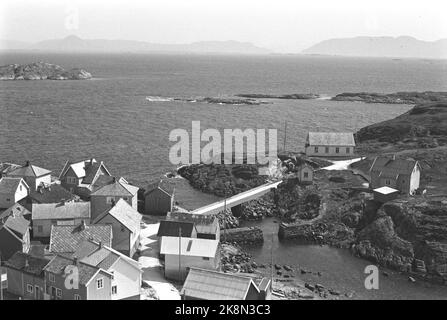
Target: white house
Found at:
x=127, y=273
x=403, y=175
x=183, y=253
x=12, y=190
x=330, y=144
x=33, y=175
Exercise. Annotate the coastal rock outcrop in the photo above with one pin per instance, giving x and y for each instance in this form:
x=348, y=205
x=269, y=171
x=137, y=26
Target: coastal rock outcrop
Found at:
x=292, y=96
x=393, y=98
x=41, y=71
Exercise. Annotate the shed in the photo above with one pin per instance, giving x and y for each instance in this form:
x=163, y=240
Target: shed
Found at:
x=385, y=194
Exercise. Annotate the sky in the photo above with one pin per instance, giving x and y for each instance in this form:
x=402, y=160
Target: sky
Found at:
x=279, y=25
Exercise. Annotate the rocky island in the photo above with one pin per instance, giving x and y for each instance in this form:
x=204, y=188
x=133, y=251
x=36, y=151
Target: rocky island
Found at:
x=393, y=98
x=291, y=96
x=41, y=71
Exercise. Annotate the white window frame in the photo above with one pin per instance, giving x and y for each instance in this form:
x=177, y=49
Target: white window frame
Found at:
x=316, y=149
x=99, y=281
x=58, y=293
x=28, y=287
x=337, y=149
x=51, y=277
x=109, y=200
x=348, y=150
x=115, y=287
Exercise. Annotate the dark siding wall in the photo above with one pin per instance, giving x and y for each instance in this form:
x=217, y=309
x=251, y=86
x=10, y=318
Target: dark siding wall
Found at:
x=158, y=203
x=8, y=245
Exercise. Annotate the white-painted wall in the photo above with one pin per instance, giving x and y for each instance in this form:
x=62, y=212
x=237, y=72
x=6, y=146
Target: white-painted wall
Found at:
x=127, y=279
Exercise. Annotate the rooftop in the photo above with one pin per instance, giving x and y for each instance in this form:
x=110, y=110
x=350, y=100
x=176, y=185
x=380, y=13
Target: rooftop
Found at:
x=9, y=185
x=390, y=167
x=214, y=285
x=54, y=193
x=385, y=190
x=162, y=185
x=117, y=187
x=68, y=239
x=29, y=170
x=189, y=246
x=331, y=139
x=63, y=210
x=125, y=214
x=27, y=263
x=172, y=228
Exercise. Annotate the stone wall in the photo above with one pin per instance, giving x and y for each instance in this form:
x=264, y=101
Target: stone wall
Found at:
x=246, y=235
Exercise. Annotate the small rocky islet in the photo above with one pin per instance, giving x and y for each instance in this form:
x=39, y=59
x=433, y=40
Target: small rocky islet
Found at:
x=41, y=71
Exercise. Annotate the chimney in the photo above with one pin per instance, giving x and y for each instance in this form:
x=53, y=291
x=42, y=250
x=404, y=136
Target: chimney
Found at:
x=113, y=179
x=27, y=163
x=82, y=226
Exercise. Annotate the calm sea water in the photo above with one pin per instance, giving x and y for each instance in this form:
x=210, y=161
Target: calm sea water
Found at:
x=110, y=119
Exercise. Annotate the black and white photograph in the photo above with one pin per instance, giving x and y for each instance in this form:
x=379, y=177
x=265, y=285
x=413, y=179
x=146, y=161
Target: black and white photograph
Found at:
x=258, y=151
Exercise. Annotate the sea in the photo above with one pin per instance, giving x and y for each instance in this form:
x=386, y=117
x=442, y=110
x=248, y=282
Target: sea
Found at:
x=124, y=116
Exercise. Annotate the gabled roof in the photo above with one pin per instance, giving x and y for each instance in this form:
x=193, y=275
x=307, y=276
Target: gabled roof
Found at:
x=67, y=239
x=54, y=193
x=214, y=285
x=88, y=170
x=125, y=214
x=117, y=188
x=162, y=185
x=29, y=170
x=65, y=210
x=331, y=139
x=392, y=168
x=6, y=167
x=15, y=223
x=27, y=263
x=86, y=272
x=203, y=223
x=101, y=256
x=16, y=209
x=194, y=247
x=171, y=228
x=9, y=185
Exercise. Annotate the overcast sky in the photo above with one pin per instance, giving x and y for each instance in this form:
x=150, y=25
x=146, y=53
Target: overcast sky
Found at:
x=280, y=25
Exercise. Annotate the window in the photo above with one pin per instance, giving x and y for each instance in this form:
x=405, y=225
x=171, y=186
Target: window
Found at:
x=20, y=187
x=29, y=288
x=205, y=258
x=387, y=182
x=40, y=229
x=326, y=149
x=51, y=277
x=125, y=198
x=100, y=283
x=316, y=149
x=58, y=293
x=77, y=297
x=8, y=199
x=348, y=150
x=72, y=180
x=337, y=150
x=306, y=174
x=110, y=200
x=114, y=290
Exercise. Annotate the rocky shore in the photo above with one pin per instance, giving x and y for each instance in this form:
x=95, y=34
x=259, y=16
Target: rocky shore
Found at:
x=292, y=96
x=41, y=71
x=393, y=98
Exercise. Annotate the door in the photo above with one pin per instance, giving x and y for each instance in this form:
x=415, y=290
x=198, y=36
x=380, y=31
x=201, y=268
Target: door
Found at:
x=37, y=293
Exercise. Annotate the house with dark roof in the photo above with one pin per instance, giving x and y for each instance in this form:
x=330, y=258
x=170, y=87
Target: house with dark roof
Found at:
x=12, y=190
x=26, y=276
x=330, y=144
x=45, y=215
x=14, y=231
x=6, y=167
x=399, y=174
x=206, y=226
x=66, y=240
x=34, y=176
x=204, y=284
x=159, y=198
x=127, y=273
x=81, y=177
x=181, y=253
x=106, y=196
x=54, y=193
x=126, y=226
x=85, y=281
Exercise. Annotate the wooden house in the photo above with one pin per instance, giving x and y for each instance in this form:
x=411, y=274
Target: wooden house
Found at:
x=34, y=176
x=14, y=231
x=12, y=190
x=330, y=144
x=159, y=198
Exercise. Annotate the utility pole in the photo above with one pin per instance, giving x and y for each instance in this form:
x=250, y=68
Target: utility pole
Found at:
x=180, y=253
x=225, y=217
x=271, y=262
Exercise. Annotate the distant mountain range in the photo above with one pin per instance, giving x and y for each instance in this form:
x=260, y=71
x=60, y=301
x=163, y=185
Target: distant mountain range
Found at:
x=403, y=47
x=75, y=44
